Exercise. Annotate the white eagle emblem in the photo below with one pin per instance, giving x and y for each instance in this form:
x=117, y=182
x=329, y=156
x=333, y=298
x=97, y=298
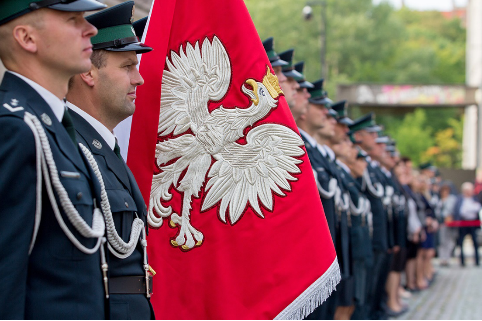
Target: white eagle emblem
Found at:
x=237, y=173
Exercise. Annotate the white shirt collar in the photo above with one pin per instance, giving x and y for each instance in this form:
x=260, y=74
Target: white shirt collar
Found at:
x=103, y=131
x=330, y=152
x=386, y=171
x=321, y=149
x=57, y=105
x=310, y=139
x=343, y=165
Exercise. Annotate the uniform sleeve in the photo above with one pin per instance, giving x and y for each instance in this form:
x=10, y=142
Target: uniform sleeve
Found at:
x=17, y=213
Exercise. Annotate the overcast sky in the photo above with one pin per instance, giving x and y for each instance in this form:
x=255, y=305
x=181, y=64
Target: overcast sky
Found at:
x=441, y=5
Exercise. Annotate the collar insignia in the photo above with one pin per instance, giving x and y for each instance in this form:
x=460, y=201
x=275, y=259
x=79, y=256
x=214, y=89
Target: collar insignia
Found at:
x=97, y=144
x=46, y=119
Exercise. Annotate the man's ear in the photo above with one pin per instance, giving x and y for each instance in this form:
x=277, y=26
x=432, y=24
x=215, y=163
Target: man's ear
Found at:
x=26, y=37
x=90, y=77
x=357, y=136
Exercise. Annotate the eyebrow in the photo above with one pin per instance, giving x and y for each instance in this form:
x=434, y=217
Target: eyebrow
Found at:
x=130, y=61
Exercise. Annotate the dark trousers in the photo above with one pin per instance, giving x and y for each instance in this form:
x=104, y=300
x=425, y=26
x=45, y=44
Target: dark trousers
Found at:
x=469, y=230
x=376, y=294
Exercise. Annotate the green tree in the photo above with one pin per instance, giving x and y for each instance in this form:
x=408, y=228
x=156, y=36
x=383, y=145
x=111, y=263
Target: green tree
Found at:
x=413, y=136
x=369, y=43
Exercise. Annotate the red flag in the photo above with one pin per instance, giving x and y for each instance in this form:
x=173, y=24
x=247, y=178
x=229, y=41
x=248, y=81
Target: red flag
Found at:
x=240, y=231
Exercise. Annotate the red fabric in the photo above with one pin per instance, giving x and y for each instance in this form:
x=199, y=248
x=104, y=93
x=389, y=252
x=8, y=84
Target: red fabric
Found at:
x=255, y=268
x=463, y=223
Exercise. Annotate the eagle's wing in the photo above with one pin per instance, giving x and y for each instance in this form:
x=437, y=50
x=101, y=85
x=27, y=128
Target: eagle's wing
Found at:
x=193, y=77
x=253, y=171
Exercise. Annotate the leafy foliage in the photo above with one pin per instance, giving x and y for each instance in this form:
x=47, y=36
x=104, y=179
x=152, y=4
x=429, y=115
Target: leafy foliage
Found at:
x=369, y=43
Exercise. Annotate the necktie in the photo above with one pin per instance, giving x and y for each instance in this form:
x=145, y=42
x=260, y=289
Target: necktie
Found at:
x=117, y=150
x=69, y=126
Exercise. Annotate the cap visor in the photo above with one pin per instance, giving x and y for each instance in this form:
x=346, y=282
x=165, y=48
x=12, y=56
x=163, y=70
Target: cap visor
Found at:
x=138, y=47
x=292, y=74
x=306, y=84
x=372, y=129
x=278, y=62
x=382, y=140
x=345, y=121
x=321, y=101
x=79, y=5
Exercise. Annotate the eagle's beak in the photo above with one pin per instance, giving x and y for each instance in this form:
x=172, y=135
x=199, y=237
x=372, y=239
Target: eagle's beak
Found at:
x=254, y=84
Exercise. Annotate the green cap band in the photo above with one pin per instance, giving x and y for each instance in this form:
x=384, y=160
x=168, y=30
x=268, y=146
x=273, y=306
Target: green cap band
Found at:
x=362, y=125
x=13, y=9
x=316, y=93
x=272, y=54
x=113, y=33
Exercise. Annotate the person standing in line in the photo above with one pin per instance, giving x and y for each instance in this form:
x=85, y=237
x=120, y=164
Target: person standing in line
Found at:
x=291, y=86
x=99, y=100
x=444, y=214
x=467, y=208
x=50, y=262
x=415, y=232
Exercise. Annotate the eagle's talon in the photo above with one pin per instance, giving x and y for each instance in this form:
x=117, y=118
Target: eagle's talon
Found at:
x=172, y=224
x=185, y=247
x=174, y=243
x=199, y=243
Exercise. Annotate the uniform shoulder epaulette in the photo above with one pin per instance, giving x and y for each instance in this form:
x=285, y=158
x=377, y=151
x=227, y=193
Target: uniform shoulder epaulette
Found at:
x=11, y=106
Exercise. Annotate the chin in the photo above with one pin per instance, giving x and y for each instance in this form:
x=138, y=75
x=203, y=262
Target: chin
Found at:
x=84, y=66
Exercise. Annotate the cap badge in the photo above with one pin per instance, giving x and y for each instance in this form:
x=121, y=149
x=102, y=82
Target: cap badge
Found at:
x=97, y=144
x=14, y=102
x=46, y=119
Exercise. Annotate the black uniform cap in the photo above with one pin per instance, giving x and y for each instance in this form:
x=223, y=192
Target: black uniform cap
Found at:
x=116, y=32
x=319, y=95
x=341, y=108
x=139, y=27
x=301, y=80
x=11, y=9
x=274, y=59
x=289, y=70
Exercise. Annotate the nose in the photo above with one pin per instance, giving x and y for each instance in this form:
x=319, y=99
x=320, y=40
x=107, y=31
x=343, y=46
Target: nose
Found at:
x=89, y=29
x=137, y=80
x=281, y=77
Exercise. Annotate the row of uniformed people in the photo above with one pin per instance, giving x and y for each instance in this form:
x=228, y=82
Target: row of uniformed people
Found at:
x=72, y=244
x=362, y=200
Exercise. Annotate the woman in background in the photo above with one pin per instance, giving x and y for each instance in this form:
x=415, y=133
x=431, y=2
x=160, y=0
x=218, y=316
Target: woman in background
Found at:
x=447, y=235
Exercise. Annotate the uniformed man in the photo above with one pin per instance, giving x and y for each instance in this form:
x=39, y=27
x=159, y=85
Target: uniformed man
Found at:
x=277, y=63
x=50, y=265
x=99, y=100
x=309, y=124
x=393, y=306
x=364, y=132
x=301, y=101
x=317, y=118
x=353, y=166
x=291, y=86
x=339, y=143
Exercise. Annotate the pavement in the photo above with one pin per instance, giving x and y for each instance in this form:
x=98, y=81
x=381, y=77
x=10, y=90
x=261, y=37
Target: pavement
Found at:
x=455, y=294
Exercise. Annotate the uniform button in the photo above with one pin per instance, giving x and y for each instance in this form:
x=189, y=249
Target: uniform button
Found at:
x=127, y=204
x=79, y=195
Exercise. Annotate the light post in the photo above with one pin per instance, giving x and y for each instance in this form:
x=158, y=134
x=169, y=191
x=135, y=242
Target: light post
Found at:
x=308, y=13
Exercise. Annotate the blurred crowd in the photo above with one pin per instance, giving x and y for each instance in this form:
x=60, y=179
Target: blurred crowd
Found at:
x=387, y=219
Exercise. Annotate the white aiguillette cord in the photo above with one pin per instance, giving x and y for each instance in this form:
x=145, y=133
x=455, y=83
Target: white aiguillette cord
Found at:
x=116, y=245
x=52, y=182
x=45, y=161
